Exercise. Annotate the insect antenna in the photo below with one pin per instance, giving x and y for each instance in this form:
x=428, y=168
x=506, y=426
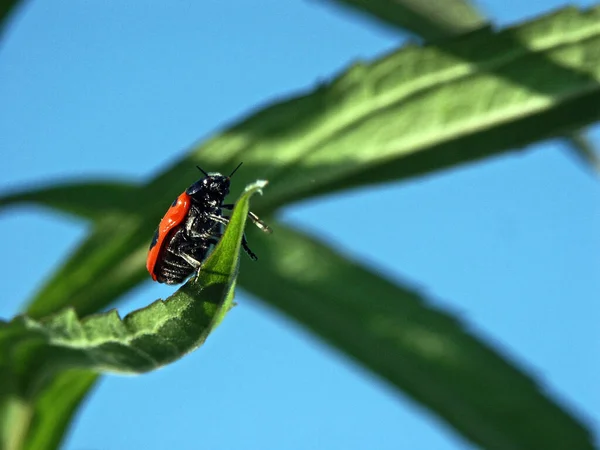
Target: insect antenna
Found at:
x=200, y=169
x=235, y=170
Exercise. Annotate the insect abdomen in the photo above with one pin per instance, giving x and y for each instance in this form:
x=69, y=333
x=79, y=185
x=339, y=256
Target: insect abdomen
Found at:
x=172, y=270
x=170, y=267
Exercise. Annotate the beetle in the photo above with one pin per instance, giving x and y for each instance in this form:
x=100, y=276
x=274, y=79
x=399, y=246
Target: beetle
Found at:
x=191, y=227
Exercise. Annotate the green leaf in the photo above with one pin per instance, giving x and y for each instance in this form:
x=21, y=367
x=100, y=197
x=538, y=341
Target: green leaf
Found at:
x=430, y=19
x=145, y=339
x=401, y=116
x=90, y=200
x=400, y=336
x=40, y=424
x=54, y=407
x=583, y=149
x=434, y=20
x=110, y=261
x=7, y=9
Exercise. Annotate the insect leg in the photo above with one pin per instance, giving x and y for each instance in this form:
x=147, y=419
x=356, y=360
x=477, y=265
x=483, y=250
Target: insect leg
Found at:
x=254, y=218
x=203, y=235
x=191, y=248
x=225, y=219
x=187, y=252
x=221, y=219
x=249, y=252
x=215, y=240
x=191, y=261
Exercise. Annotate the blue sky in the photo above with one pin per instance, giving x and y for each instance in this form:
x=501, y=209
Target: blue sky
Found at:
x=120, y=89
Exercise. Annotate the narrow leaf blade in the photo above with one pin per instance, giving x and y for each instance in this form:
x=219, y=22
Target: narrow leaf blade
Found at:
x=7, y=10
x=430, y=19
x=434, y=20
x=423, y=351
x=583, y=149
x=89, y=200
x=55, y=406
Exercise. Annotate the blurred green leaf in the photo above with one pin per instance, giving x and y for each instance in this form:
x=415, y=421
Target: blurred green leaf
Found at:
x=54, y=407
x=109, y=261
x=82, y=199
x=396, y=333
x=434, y=20
x=15, y=413
x=7, y=9
x=583, y=149
x=429, y=19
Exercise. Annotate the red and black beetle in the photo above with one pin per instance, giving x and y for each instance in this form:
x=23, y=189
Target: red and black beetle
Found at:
x=192, y=225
